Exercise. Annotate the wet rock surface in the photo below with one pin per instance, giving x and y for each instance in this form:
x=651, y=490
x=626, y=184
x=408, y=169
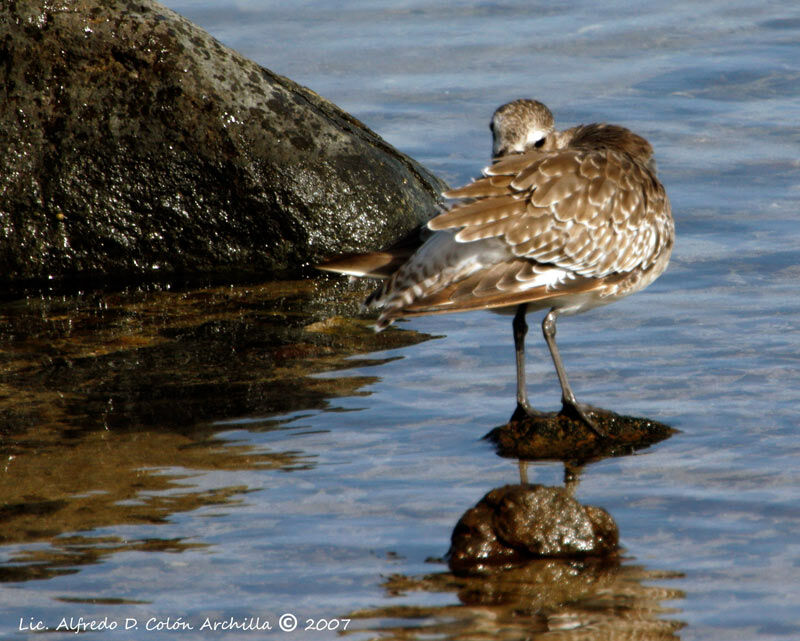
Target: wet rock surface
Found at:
x=134, y=143
x=516, y=523
x=558, y=436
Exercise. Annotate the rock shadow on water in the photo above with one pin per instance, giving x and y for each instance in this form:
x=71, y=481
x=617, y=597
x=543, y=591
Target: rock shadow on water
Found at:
x=561, y=437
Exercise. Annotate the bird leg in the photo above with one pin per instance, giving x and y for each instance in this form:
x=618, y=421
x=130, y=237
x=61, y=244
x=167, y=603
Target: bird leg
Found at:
x=572, y=476
x=520, y=330
x=523, y=472
x=568, y=400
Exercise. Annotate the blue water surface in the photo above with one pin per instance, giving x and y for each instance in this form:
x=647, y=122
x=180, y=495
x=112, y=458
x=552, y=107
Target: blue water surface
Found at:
x=712, y=348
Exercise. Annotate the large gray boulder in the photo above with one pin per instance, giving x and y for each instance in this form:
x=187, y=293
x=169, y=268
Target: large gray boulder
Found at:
x=132, y=142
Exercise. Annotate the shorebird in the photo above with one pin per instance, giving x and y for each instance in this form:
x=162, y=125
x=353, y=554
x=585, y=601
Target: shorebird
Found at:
x=561, y=220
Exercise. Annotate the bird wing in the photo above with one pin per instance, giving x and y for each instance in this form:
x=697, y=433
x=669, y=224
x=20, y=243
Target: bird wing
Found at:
x=506, y=284
x=592, y=211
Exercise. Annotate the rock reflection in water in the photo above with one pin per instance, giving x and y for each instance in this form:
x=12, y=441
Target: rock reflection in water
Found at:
x=52, y=487
x=108, y=403
x=574, y=600
x=174, y=360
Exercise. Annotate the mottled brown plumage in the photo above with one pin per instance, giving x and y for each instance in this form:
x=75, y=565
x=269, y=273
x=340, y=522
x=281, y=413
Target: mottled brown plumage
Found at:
x=562, y=220
x=592, y=207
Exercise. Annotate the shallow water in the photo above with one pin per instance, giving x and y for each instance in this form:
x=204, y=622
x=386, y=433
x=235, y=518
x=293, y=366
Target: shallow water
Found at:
x=181, y=454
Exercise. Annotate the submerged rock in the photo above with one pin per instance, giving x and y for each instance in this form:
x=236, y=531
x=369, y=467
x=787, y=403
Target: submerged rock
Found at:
x=133, y=142
x=516, y=523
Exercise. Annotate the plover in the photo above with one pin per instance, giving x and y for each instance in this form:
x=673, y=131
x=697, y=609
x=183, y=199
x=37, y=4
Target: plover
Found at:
x=561, y=220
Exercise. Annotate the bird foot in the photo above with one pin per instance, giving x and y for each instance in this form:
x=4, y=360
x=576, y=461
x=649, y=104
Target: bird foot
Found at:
x=582, y=412
x=525, y=410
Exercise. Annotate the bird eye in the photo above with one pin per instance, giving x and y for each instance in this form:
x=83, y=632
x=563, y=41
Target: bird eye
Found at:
x=539, y=143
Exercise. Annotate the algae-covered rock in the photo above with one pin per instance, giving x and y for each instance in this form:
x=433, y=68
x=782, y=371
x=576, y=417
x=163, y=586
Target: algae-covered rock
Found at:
x=565, y=437
x=516, y=523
